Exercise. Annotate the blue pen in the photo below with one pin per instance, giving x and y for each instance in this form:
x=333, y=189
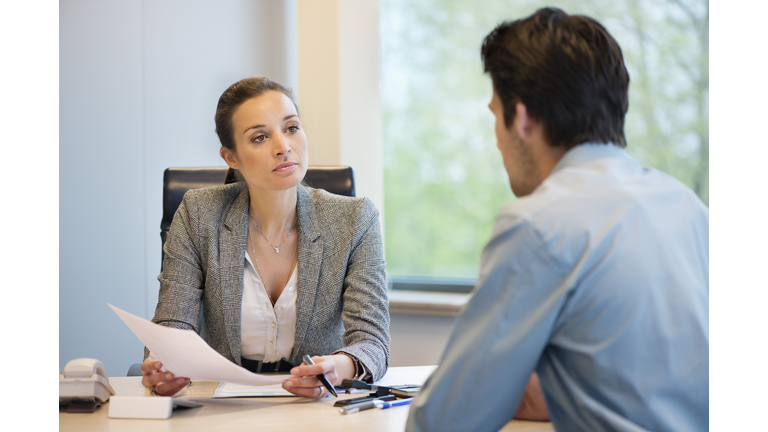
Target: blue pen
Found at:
x=385, y=405
x=351, y=409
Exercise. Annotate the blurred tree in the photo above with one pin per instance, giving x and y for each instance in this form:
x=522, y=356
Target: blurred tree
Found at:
x=444, y=181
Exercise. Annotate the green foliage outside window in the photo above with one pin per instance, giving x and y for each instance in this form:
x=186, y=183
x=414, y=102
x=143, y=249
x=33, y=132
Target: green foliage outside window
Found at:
x=444, y=181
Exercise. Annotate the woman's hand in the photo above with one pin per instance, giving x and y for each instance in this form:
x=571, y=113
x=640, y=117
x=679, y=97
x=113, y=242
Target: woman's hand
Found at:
x=303, y=380
x=164, y=382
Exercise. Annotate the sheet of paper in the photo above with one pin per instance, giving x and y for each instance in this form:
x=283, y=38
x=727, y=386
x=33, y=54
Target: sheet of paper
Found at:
x=229, y=390
x=186, y=354
x=406, y=375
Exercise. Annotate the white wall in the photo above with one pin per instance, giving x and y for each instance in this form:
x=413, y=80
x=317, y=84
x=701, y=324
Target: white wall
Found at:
x=101, y=181
x=338, y=80
x=139, y=82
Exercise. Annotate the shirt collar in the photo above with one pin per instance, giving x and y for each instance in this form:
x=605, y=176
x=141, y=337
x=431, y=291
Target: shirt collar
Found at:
x=588, y=152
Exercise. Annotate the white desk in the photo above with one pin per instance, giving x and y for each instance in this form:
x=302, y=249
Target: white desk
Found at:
x=260, y=414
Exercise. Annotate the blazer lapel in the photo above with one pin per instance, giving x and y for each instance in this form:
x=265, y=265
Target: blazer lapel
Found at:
x=310, y=261
x=232, y=237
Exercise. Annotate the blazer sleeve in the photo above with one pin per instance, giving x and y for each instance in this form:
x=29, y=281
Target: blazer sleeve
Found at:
x=182, y=279
x=366, y=305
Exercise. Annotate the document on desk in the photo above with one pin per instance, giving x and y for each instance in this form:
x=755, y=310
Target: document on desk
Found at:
x=229, y=390
x=186, y=354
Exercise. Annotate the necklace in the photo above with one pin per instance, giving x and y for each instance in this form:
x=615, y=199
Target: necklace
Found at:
x=258, y=269
x=276, y=248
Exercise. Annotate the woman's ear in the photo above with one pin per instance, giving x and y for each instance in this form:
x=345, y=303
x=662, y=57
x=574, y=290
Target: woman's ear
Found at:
x=229, y=157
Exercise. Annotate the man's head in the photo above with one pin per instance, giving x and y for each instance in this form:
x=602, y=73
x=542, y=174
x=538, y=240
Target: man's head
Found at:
x=568, y=75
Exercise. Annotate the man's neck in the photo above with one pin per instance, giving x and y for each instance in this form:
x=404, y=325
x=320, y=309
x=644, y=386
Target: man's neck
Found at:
x=545, y=155
x=550, y=157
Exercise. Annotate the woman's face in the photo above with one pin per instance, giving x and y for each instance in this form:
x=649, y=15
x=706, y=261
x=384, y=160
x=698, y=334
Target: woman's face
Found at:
x=270, y=145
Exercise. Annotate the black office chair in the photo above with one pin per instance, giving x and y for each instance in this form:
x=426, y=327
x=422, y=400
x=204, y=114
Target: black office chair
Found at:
x=339, y=180
x=177, y=181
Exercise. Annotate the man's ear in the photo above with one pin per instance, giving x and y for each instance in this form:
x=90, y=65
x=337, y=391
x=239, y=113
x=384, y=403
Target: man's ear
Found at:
x=526, y=125
x=229, y=157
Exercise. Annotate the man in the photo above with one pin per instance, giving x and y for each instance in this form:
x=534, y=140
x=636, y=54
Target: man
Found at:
x=597, y=277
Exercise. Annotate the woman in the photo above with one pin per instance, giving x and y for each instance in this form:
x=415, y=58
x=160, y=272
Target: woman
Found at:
x=279, y=269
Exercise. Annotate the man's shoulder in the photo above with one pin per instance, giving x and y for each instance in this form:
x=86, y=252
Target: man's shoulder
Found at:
x=577, y=205
x=599, y=189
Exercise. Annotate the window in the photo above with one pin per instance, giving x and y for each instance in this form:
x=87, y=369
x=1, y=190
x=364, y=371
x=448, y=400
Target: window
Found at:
x=443, y=177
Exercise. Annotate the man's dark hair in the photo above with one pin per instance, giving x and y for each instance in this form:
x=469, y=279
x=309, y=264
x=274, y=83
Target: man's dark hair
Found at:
x=567, y=70
x=239, y=92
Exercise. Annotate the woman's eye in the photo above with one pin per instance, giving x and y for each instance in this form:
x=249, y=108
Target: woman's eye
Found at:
x=293, y=129
x=259, y=138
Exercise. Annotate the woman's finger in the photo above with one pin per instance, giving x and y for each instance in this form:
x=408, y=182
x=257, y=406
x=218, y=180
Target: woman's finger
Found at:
x=304, y=382
x=156, y=378
x=322, y=365
x=169, y=388
x=149, y=369
x=310, y=392
x=151, y=366
x=307, y=370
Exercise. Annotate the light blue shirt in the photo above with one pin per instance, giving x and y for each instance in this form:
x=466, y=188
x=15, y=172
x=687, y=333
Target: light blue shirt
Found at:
x=598, y=281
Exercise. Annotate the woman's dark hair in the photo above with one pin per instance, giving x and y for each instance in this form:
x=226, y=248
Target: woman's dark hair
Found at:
x=234, y=96
x=567, y=70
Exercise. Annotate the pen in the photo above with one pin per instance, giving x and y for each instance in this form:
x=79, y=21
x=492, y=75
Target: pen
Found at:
x=385, y=405
x=321, y=377
x=353, y=408
x=362, y=406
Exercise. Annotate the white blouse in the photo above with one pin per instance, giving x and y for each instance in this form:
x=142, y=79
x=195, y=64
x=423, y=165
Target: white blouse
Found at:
x=267, y=333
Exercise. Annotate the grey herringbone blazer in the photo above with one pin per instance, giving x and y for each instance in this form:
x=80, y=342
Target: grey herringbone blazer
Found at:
x=342, y=301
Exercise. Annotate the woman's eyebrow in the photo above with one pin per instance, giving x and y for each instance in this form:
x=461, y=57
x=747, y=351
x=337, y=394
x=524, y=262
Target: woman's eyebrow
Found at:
x=254, y=127
x=286, y=118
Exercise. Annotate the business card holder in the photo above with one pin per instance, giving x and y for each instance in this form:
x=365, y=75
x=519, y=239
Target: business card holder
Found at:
x=142, y=407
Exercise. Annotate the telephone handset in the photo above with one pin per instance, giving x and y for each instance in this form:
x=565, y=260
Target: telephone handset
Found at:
x=84, y=385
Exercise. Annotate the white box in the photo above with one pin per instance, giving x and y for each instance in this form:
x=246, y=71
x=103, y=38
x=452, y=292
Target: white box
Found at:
x=143, y=407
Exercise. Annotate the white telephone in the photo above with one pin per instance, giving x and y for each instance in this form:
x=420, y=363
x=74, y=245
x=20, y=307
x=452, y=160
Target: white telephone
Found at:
x=84, y=385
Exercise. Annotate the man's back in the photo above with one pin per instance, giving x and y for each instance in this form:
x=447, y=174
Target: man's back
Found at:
x=598, y=280
x=633, y=331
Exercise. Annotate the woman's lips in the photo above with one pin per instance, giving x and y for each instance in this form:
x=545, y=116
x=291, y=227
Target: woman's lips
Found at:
x=285, y=167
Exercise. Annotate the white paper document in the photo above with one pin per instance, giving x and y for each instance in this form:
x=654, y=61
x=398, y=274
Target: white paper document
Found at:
x=186, y=354
x=415, y=375
x=229, y=390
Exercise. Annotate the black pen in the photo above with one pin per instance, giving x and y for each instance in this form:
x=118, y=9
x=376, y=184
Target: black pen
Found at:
x=321, y=377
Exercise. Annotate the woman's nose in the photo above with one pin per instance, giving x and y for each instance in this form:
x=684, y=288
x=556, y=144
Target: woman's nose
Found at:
x=281, y=145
